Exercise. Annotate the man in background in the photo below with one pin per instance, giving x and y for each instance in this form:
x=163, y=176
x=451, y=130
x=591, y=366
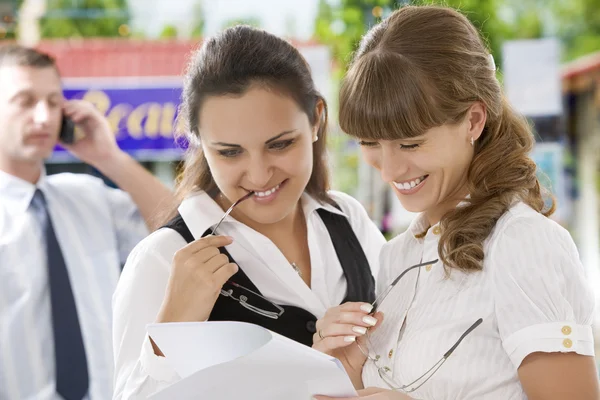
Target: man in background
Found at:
x=63, y=237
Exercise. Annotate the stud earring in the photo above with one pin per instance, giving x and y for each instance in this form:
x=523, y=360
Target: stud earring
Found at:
x=315, y=138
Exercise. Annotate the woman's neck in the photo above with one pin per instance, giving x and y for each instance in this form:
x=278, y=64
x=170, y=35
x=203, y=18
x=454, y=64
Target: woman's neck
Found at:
x=435, y=214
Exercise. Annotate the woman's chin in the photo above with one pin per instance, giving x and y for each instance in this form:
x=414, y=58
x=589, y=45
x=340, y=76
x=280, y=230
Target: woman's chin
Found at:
x=412, y=205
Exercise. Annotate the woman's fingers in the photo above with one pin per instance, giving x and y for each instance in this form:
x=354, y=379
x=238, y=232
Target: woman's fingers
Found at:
x=325, y=329
x=342, y=330
x=223, y=274
x=331, y=343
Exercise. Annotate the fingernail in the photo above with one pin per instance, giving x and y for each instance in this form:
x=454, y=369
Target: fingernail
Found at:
x=369, y=320
x=229, y=237
x=360, y=330
x=366, y=308
x=349, y=338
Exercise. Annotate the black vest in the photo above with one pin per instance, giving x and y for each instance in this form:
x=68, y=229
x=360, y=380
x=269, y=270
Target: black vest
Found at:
x=295, y=323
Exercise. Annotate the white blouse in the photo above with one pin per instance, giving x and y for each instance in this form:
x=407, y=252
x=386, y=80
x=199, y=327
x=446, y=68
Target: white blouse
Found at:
x=532, y=295
x=139, y=295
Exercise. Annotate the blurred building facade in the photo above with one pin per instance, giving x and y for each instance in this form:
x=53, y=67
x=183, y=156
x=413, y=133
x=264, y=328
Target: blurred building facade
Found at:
x=581, y=89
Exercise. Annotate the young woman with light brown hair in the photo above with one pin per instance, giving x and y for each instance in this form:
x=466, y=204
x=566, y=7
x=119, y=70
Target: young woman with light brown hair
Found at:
x=484, y=296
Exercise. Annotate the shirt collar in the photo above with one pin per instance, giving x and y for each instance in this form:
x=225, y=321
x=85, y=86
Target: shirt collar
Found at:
x=16, y=192
x=200, y=212
x=310, y=205
x=418, y=226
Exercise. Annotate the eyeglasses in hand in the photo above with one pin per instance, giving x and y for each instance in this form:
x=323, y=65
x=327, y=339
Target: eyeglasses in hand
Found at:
x=246, y=297
x=385, y=372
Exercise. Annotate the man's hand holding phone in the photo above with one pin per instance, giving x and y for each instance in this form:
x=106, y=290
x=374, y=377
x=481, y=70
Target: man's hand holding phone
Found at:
x=94, y=142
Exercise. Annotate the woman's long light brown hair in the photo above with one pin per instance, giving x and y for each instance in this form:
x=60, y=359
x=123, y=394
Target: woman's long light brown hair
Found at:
x=424, y=67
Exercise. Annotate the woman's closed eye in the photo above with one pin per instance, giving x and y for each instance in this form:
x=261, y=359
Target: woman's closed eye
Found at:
x=276, y=146
x=229, y=153
x=409, y=146
x=281, y=145
x=366, y=143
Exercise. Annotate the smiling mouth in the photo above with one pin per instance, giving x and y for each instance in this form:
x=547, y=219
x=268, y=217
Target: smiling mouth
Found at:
x=410, y=184
x=268, y=192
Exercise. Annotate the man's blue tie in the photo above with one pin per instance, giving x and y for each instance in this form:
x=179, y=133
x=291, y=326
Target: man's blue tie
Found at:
x=71, y=364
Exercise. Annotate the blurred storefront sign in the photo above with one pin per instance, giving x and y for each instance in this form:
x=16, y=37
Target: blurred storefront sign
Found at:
x=143, y=118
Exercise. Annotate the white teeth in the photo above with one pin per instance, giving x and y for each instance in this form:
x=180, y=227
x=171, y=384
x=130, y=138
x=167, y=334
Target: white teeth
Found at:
x=267, y=192
x=409, y=185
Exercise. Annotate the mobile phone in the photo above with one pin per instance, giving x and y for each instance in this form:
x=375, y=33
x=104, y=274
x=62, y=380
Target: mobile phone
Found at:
x=67, y=130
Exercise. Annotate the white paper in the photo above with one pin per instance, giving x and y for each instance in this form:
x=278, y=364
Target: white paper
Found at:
x=235, y=360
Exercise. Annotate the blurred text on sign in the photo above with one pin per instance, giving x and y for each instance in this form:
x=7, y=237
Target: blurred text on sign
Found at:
x=143, y=119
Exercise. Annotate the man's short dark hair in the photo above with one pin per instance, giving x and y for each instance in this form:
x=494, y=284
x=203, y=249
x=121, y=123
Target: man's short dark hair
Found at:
x=21, y=56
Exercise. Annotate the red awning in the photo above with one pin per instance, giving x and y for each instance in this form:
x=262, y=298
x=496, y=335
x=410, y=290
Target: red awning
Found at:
x=99, y=57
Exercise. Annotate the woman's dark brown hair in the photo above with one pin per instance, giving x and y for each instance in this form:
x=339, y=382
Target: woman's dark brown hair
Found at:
x=230, y=63
x=424, y=67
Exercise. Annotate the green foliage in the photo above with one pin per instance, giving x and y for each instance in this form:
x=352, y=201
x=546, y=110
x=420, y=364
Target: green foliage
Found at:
x=199, y=21
x=579, y=27
x=343, y=26
x=252, y=21
x=85, y=18
x=168, y=32
x=575, y=22
x=8, y=19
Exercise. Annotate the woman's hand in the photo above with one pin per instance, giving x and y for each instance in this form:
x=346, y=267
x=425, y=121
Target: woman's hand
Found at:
x=371, y=393
x=198, y=273
x=338, y=332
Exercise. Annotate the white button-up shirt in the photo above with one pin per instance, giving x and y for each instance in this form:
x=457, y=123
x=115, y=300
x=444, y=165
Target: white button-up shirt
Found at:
x=96, y=227
x=143, y=284
x=532, y=295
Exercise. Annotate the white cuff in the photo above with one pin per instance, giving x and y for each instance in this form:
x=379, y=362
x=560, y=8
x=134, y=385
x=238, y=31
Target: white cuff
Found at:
x=564, y=337
x=156, y=367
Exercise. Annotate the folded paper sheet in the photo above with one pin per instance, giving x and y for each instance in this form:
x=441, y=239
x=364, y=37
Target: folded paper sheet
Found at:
x=234, y=360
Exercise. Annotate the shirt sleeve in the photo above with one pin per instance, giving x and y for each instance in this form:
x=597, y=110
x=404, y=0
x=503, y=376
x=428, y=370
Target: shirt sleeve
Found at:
x=543, y=302
x=136, y=302
x=129, y=225
x=368, y=234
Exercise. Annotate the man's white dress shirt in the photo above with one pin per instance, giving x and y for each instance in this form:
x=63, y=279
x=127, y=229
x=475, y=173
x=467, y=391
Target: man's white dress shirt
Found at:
x=97, y=227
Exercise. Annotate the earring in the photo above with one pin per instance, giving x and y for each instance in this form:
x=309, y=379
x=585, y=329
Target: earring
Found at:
x=315, y=138
x=472, y=141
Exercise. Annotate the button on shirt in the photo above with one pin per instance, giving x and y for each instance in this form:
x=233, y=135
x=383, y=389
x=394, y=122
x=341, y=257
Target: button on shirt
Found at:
x=143, y=284
x=532, y=295
x=96, y=227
